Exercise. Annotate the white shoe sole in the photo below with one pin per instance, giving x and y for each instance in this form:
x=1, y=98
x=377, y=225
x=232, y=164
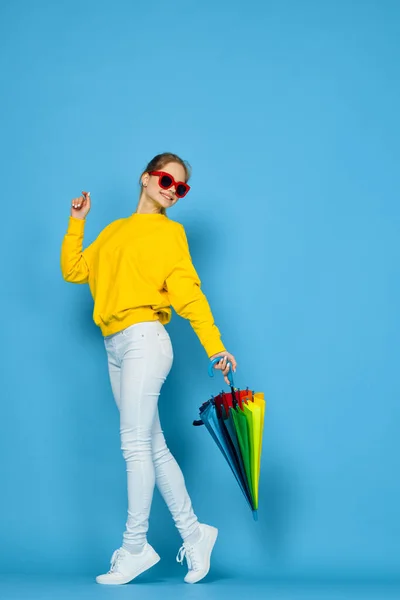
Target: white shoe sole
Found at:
x=107, y=579
x=212, y=540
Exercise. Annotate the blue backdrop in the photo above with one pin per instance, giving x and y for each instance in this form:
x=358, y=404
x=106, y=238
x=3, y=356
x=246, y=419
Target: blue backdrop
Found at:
x=289, y=114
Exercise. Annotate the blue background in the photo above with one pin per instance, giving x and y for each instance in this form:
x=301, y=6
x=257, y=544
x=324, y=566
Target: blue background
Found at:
x=289, y=115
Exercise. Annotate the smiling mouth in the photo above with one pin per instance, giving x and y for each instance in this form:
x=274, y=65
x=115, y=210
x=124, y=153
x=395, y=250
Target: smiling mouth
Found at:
x=166, y=196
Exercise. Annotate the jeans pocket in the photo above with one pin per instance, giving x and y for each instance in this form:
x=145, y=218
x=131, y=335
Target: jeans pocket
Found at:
x=165, y=345
x=133, y=333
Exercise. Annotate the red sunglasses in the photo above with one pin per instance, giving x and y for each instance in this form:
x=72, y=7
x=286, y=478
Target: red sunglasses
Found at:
x=165, y=181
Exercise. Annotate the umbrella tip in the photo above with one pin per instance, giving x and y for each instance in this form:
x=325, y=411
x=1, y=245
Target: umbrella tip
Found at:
x=255, y=515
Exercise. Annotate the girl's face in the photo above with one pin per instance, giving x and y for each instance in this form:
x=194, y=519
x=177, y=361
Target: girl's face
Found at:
x=158, y=195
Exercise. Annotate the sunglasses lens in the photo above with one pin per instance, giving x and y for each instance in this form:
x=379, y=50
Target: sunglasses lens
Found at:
x=181, y=190
x=165, y=181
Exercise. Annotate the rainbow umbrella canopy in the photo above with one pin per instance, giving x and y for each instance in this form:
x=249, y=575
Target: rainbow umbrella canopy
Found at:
x=235, y=421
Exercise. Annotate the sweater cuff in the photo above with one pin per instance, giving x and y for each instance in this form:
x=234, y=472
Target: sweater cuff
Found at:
x=214, y=348
x=76, y=226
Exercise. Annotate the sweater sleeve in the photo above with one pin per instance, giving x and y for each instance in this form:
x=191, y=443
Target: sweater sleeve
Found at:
x=188, y=300
x=75, y=263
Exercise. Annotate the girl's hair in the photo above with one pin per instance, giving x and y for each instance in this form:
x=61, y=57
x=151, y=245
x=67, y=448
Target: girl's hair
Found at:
x=159, y=162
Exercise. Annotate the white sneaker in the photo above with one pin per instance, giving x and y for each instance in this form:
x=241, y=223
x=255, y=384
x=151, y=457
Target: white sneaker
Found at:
x=126, y=566
x=198, y=554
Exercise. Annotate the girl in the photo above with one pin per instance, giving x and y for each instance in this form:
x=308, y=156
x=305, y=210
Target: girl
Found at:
x=137, y=268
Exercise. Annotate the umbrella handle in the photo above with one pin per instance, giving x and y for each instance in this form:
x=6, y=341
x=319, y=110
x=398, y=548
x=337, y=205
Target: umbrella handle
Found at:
x=211, y=369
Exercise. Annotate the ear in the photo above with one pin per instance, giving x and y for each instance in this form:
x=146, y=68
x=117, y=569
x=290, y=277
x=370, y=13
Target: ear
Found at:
x=145, y=179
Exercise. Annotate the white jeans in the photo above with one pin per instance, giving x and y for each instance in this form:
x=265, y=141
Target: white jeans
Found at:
x=139, y=360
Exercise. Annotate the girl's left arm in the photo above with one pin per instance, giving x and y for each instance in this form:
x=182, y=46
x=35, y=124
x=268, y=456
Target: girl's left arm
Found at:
x=188, y=300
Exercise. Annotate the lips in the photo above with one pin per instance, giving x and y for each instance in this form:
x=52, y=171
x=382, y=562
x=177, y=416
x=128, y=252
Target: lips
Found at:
x=167, y=196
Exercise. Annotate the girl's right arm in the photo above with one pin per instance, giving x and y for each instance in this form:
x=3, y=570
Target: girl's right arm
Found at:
x=74, y=262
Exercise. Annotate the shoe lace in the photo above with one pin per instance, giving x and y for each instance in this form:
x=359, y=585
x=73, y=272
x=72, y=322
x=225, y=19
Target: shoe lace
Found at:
x=187, y=552
x=115, y=560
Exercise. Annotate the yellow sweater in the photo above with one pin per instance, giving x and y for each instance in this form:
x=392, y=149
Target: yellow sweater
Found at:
x=137, y=268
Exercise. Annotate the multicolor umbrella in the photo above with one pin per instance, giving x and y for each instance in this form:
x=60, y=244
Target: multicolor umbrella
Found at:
x=235, y=421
